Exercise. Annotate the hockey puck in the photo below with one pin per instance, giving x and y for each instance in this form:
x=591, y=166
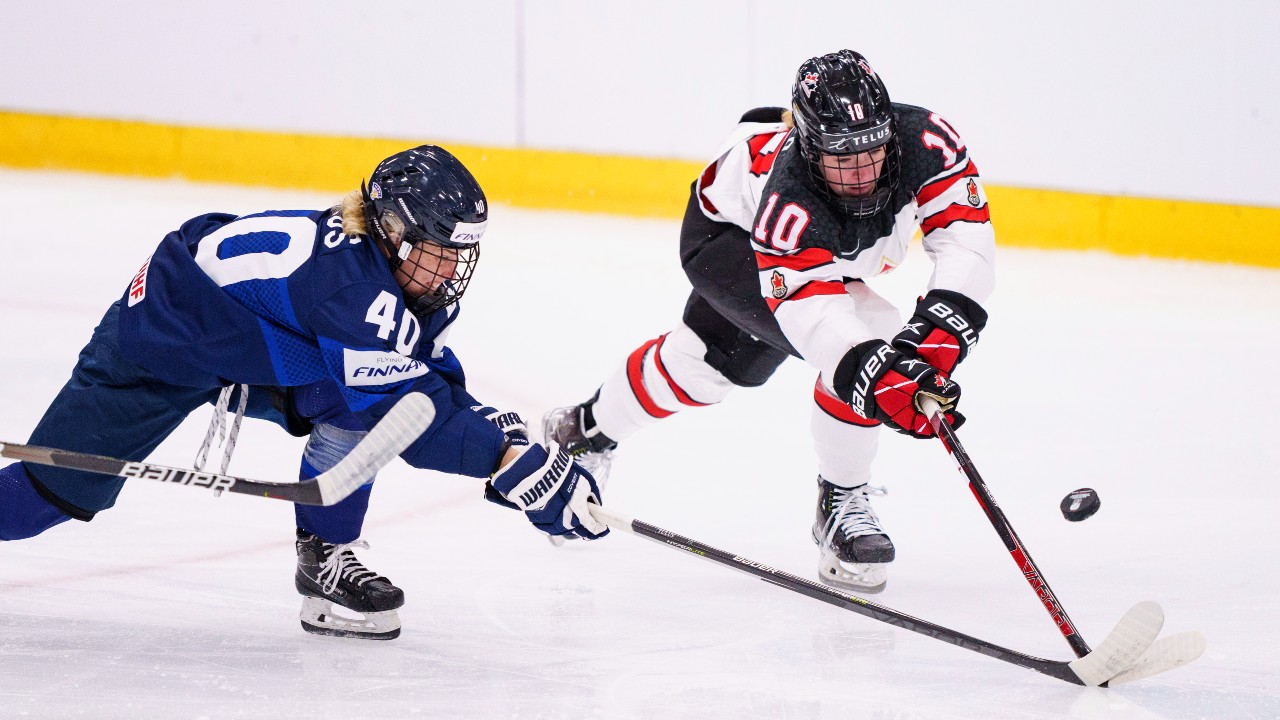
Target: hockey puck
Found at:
x=1080, y=504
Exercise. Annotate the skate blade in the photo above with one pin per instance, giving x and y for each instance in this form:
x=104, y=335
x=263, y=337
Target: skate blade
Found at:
x=317, y=617
x=868, y=578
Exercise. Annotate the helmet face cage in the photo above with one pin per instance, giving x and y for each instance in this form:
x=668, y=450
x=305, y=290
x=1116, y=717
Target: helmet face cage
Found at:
x=844, y=121
x=428, y=214
x=435, y=276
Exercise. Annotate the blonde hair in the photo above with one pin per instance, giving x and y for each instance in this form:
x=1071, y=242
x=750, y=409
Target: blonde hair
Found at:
x=787, y=119
x=352, y=209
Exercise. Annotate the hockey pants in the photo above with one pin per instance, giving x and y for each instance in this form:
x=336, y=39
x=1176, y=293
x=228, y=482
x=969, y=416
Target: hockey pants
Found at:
x=112, y=407
x=729, y=338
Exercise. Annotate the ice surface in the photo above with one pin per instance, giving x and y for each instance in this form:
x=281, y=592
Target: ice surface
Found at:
x=1152, y=381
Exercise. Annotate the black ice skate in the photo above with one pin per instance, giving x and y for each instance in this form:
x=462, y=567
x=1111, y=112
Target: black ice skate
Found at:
x=854, y=549
x=575, y=430
x=330, y=574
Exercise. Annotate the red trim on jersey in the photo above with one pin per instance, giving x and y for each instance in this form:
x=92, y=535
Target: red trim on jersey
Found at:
x=679, y=392
x=808, y=290
x=635, y=376
x=936, y=188
x=804, y=260
x=761, y=164
x=955, y=213
x=708, y=177
x=837, y=408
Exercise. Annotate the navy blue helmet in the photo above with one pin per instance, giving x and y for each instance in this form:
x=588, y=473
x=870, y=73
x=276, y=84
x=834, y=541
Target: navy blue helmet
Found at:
x=425, y=200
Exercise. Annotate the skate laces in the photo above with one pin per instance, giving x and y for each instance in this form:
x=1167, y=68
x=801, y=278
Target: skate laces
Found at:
x=852, y=513
x=218, y=426
x=342, y=563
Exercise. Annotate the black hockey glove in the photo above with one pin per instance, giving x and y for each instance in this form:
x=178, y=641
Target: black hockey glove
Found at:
x=943, y=329
x=880, y=383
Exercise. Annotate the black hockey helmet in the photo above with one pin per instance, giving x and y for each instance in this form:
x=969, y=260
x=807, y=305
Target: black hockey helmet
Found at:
x=425, y=199
x=845, y=122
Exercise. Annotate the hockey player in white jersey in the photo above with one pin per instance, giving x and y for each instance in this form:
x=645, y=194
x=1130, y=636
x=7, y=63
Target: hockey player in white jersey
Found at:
x=782, y=227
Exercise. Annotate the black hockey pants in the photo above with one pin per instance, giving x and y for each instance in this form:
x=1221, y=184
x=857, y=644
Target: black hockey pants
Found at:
x=725, y=309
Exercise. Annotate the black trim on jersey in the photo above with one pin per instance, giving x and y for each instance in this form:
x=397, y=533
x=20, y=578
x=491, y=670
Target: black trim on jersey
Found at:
x=763, y=115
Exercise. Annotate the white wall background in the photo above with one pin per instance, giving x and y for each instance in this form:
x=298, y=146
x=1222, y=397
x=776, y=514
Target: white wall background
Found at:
x=1164, y=99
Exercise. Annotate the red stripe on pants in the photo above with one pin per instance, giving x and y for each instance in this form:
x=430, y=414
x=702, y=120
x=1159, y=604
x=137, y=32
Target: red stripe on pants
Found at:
x=635, y=376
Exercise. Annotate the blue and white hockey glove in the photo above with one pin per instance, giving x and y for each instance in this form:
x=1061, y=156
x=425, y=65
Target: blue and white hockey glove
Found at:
x=510, y=423
x=551, y=489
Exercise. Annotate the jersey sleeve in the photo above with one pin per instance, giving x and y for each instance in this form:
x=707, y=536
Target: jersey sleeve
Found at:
x=954, y=219
x=728, y=189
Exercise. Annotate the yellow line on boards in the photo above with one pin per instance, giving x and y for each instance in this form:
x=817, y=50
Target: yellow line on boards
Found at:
x=583, y=182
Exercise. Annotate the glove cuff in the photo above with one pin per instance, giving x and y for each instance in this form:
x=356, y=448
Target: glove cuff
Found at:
x=959, y=302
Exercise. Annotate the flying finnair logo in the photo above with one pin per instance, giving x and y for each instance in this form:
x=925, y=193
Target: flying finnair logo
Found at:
x=468, y=233
x=373, y=367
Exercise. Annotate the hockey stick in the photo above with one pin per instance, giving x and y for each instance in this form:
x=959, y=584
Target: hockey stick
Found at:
x=1001, y=524
x=1121, y=649
x=406, y=420
x=1162, y=655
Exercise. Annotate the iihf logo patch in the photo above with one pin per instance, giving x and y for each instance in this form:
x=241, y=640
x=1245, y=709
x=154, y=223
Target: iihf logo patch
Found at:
x=779, y=284
x=972, y=187
x=809, y=83
x=138, y=286
x=375, y=191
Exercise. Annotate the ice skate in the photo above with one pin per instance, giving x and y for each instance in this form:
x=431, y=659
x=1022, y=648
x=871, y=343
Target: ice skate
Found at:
x=331, y=575
x=575, y=430
x=854, y=549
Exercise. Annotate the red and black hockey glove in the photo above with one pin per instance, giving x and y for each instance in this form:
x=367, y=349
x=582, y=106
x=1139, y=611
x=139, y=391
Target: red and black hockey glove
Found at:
x=880, y=383
x=943, y=329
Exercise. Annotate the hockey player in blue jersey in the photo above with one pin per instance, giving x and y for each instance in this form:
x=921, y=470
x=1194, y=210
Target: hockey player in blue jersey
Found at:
x=318, y=320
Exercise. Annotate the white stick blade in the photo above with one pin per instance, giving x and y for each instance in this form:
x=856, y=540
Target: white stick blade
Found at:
x=1118, y=652
x=408, y=419
x=1164, y=654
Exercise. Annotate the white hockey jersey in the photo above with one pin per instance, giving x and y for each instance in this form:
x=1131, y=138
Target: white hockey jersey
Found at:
x=807, y=251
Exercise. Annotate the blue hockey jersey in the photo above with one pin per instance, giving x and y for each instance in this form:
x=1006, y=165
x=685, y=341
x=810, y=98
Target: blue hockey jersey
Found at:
x=285, y=298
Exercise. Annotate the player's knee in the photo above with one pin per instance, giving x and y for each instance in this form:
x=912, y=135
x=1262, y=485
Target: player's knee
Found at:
x=24, y=512
x=746, y=365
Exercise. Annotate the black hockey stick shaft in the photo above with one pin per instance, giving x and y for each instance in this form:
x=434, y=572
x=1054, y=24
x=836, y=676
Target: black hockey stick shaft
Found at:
x=1053, y=668
x=1004, y=529
x=306, y=492
x=406, y=420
